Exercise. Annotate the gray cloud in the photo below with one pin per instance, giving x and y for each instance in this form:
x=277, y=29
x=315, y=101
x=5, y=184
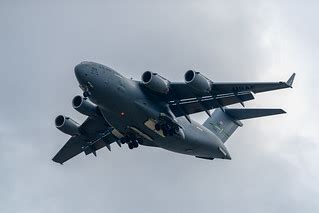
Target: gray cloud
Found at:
x=274, y=159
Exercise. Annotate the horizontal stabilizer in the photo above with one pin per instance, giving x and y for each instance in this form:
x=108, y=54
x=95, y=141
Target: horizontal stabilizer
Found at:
x=242, y=114
x=224, y=122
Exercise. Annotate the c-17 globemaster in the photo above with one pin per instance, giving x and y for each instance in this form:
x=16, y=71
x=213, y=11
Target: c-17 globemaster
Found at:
x=155, y=112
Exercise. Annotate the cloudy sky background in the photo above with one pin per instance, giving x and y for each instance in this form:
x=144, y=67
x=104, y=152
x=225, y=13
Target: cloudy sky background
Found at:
x=275, y=160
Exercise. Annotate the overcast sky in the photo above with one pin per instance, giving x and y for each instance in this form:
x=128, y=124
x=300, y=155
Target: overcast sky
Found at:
x=275, y=160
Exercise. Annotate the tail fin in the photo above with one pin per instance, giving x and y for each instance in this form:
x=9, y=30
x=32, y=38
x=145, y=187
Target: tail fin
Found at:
x=224, y=122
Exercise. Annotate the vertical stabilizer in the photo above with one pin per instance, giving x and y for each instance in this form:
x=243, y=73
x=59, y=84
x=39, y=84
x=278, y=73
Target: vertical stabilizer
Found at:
x=222, y=124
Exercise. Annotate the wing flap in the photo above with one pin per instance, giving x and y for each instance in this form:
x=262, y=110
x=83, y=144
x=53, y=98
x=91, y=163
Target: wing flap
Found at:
x=190, y=106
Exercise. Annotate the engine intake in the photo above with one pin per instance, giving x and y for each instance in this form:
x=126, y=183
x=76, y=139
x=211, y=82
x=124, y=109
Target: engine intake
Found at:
x=155, y=82
x=67, y=125
x=197, y=81
x=84, y=106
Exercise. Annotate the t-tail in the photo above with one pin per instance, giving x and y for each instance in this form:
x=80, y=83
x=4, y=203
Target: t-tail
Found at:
x=224, y=122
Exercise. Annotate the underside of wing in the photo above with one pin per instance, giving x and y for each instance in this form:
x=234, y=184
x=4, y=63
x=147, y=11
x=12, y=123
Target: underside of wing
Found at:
x=181, y=90
x=219, y=88
x=95, y=134
x=194, y=105
x=199, y=94
x=72, y=148
x=242, y=114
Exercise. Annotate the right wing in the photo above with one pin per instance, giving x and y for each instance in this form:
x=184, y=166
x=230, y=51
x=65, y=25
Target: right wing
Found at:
x=96, y=135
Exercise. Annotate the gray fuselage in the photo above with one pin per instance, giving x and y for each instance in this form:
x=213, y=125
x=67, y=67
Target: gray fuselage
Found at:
x=125, y=105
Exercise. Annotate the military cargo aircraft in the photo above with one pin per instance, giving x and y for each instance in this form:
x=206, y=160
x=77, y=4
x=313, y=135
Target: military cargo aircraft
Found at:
x=155, y=112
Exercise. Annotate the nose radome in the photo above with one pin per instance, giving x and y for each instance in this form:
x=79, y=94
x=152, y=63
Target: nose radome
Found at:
x=80, y=72
x=78, y=69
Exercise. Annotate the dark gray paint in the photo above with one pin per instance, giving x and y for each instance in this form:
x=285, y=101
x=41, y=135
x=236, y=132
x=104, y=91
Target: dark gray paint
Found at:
x=247, y=40
x=116, y=95
x=126, y=105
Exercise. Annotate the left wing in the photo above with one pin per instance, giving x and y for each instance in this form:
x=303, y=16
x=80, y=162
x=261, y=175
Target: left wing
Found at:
x=253, y=87
x=180, y=90
x=96, y=134
x=183, y=100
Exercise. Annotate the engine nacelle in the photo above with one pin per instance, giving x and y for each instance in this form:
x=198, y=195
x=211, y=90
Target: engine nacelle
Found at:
x=84, y=106
x=197, y=81
x=155, y=82
x=67, y=125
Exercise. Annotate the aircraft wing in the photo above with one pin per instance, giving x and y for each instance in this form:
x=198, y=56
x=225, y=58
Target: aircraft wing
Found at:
x=96, y=134
x=181, y=90
x=253, y=87
x=183, y=100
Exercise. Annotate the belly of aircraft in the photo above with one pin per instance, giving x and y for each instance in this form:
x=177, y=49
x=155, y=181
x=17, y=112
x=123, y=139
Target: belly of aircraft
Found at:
x=128, y=115
x=193, y=144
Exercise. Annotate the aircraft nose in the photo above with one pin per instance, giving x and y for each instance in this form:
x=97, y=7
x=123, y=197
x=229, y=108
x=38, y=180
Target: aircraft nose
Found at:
x=80, y=71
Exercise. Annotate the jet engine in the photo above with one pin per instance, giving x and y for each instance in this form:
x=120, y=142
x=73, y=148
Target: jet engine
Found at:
x=197, y=81
x=67, y=125
x=155, y=82
x=84, y=106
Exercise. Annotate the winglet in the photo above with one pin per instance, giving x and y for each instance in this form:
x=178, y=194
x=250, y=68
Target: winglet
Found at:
x=291, y=80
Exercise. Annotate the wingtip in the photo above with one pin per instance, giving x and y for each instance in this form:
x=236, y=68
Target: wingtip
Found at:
x=291, y=80
x=56, y=161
